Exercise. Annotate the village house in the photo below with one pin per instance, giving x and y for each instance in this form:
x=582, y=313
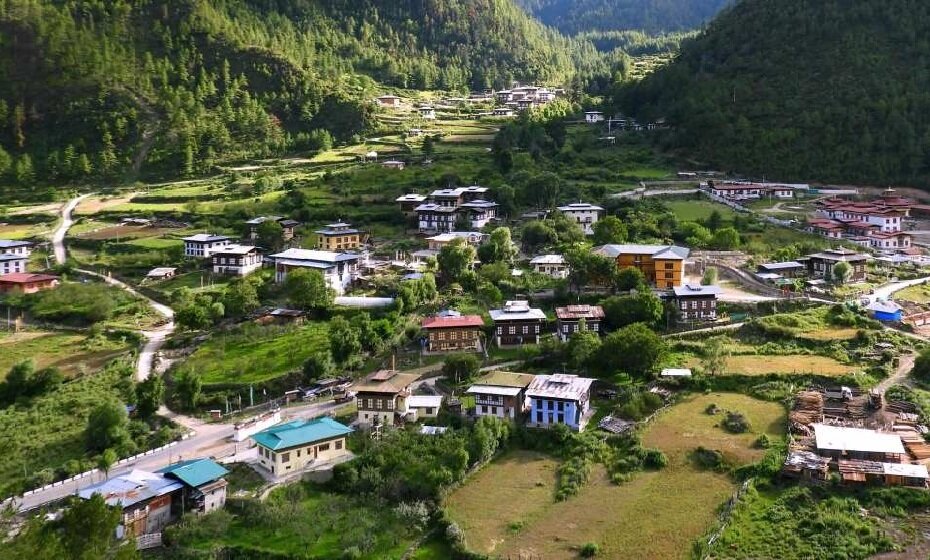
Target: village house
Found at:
x=696, y=302
x=890, y=242
x=820, y=265
x=236, y=260
x=560, y=399
x=15, y=247
x=446, y=206
x=885, y=310
x=550, y=265
x=453, y=332
x=389, y=101
x=26, y=282
x=502, y=112
x=338, y=236
x=473, y=238
x=478, y=213
x=427, y=112
x=734, y=190
x=13, y=263
x=381, y=398
x=569, y=319
x=338, y=269
x=204, y=486
x=288, y=226
x=203, y=245
x=593, y=117
x=432, y=217
x=839, y=442
x=662, y=265
x=151, y=500
x=420, y=407
x=501, y=394
x=516, y=324
x=584, y=214
x=293, y=446
x=162, y=273
x=409, y=202
x=785, y=269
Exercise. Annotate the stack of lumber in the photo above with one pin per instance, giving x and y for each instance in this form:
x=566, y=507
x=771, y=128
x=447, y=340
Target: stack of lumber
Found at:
x=808, y=408
x=914, y=442
x=901, y=406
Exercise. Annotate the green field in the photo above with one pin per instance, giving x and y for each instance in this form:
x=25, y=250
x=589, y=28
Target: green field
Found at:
x=156, y=243
x=70, y=352
x=698, y=210
x=508, y=508
x=254, y=353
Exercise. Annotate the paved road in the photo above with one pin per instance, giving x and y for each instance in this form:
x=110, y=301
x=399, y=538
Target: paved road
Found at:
x=66, y=222
x=887, y=290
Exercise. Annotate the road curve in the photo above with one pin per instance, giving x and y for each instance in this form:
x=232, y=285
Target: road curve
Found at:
x=58, y=238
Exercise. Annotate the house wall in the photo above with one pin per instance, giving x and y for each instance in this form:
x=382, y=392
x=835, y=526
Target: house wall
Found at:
x=338, y=242
x=202, y=250
x=663, y=273
x=585, y=218
x=238, y=265
x=691, y=308
x=566, y=328
x=453, y=339
x=294, y=459
x=379, y=408
x=552, y=270
x=214, y=499
x=499, y=405
x=338, y=277
x=23, y=251
x=10, y=267
x=545, y=412
x=516, y=332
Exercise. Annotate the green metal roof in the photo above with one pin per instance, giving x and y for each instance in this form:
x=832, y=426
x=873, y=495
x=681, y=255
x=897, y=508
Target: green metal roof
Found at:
x=195, y=472
x=300, y=432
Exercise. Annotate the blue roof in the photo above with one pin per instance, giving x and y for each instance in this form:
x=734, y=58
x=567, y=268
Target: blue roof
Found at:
x=195, y=472
x=300, y=432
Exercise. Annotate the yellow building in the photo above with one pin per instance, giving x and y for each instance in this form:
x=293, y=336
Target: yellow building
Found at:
x=662, y=265
x=295, y=445
x=338, y=237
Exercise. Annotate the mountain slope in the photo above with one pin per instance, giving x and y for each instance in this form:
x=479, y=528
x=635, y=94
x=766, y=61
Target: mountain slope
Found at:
x=99, y=89
x=652, y=16
x=834, y=90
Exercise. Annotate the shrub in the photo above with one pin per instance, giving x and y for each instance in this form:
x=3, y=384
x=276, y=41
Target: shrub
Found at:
x=735, y=423
x=655, y=459
x=589, y=550
x=707, y=458
x=712, y=409
x=454, y=533
x=762, y=442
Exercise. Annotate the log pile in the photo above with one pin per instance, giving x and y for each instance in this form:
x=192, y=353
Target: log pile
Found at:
x=808, y=409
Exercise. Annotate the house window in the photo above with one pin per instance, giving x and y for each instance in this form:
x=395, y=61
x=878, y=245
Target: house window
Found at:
x=526, y=329
x=512, y=330
x=324, y=447
x=285, y=457
x=539, y=417
x=339, y=444
x=669, y=266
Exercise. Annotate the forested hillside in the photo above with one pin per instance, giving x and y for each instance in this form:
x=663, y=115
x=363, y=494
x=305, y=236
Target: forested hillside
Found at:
x=833, y=90
x=109, y=89
x=651, y=16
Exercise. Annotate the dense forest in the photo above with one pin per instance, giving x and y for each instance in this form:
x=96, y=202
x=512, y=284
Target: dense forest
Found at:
x=654, y=17
x=833, y=90
x=114, y=88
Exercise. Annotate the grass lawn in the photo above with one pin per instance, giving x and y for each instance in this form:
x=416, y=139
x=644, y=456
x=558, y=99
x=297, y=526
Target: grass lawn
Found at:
x=197, y=281
x=508, y=508
x=697, y=210
x=156, y=243
x=69, y=352
x=254, y=353
x=757, y=364
x=243, y=478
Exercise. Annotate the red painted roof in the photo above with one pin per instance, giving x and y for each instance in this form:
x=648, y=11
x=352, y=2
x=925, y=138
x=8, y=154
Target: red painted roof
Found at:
x=452, y=322
x=26, y=278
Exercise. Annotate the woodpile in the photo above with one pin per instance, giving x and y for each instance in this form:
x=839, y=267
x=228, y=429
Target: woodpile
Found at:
x=808, y=409
x=901, y=406
x=914, y=443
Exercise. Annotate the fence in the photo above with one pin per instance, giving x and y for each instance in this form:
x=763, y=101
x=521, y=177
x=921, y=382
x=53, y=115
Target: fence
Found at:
x=724, y=516
x=151, y=540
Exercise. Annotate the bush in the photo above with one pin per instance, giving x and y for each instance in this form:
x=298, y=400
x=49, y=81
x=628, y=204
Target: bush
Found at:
x=762, y=442
x=655, y=459
x=708, y=458
x=712, y=409
x=454, y=533
x=735, y=423
x=589, y=550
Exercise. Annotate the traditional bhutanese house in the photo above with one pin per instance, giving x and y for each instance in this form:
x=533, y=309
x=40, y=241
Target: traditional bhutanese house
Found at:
x=478, y=213
x=502, y=112
x=27, y=283
x=855, y=443
x=292, y=446
x=786, y=269
x=584, y=214
x=204, y=486
x=885, y=311
x=517, y=324
x=409, y=202
x=825, y=227
x=423, y=406
x=236, y=260
x=437, y=242
x=501, y=394
x=382, y=396
x=560, y=399
x=338, y=236
x=203, y=245
x=662, y=265
x=11, y=263
x=433, y=217
x=696, y=302
x=145, y=499
x=287, y=226
x=453, y=333
x=553, y=266
x=389, y=101
x=820, y=265
x=15, y=247
x=394, y=164
x=427, y=113
x=736, y=191
x=338, y=269
x=890, y=241
x=569, y=318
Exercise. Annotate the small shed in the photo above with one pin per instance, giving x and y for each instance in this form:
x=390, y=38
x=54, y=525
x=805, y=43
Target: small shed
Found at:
x=885, y=311
x=162, y=273
x=675, y=372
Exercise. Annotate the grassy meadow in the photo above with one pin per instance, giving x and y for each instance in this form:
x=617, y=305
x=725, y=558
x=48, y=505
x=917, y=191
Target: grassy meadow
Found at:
x=72, y=353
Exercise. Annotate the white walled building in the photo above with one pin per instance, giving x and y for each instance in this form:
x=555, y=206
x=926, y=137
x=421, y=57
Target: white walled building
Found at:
x=15, y=247
x=338, y=269
x=550, y=265
x=237, y=260
x=203, y=245
x=586, y=215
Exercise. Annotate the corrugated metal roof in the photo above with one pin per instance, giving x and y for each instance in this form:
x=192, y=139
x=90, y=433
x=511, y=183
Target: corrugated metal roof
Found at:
x=300, y=432
x=195, y=472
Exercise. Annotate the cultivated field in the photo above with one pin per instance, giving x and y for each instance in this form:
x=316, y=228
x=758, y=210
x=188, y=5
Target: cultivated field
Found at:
x=698, y=210
x=508, y=508
x=797, y=363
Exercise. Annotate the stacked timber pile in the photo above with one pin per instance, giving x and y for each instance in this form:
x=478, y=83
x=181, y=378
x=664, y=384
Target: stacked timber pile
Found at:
x=901, y=406
x=808, y=409
x=914, y=443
